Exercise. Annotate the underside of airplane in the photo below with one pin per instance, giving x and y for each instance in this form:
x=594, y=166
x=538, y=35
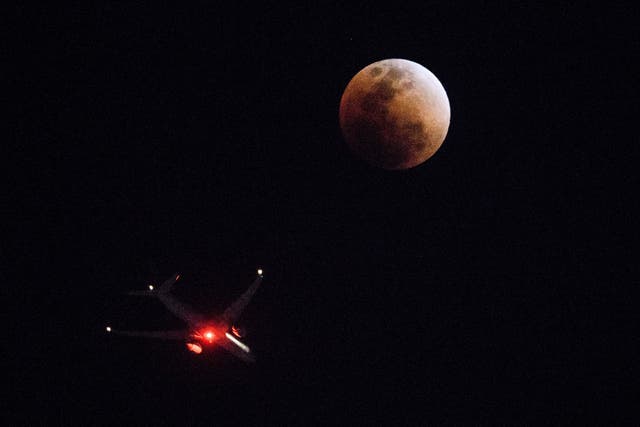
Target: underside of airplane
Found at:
x=202, y=333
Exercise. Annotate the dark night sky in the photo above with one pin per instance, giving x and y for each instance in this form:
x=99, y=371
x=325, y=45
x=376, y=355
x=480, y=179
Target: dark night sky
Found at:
x=487, y=284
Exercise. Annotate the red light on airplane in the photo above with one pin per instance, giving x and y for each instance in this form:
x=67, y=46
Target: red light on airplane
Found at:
x=237, y=331
x=177, y=277
x=194, y=348
x=209, y=336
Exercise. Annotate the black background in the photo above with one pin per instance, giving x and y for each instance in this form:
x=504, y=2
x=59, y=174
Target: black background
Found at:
x=488, y=284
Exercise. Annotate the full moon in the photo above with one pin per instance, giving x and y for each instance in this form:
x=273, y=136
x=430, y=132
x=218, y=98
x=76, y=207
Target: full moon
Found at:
x=394, y=114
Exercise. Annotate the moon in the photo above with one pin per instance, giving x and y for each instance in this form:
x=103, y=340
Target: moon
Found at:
x=394, y=114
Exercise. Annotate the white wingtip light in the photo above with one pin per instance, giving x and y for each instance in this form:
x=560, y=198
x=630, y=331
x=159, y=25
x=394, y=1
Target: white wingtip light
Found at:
x=259, y=272
x=108, y=328
x=150, y=287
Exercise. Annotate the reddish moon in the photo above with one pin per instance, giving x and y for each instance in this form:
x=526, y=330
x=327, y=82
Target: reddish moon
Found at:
x=394, y=114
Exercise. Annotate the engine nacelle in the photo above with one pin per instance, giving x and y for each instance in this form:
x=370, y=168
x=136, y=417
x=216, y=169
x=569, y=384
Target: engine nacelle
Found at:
x=194, y=347
x=239, y=331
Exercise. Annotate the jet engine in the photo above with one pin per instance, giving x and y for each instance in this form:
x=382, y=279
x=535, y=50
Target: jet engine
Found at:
x=194, y=347
x=238, y=331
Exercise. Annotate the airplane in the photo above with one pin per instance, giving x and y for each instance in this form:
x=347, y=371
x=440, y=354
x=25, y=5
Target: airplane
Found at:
x=203, y=333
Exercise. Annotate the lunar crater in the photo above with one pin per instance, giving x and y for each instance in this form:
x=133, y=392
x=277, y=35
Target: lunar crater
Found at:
x=376, y=71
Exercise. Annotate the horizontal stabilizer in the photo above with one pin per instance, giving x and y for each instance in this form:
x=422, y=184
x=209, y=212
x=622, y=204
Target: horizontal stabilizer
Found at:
x=142, y=293
x=162, y=289
x=163, y=335
x=168, y=284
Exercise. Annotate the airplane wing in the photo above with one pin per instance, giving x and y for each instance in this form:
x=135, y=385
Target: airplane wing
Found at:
x=233, y=312
x=163, y=335
x=237, y=348
x=163, y=294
